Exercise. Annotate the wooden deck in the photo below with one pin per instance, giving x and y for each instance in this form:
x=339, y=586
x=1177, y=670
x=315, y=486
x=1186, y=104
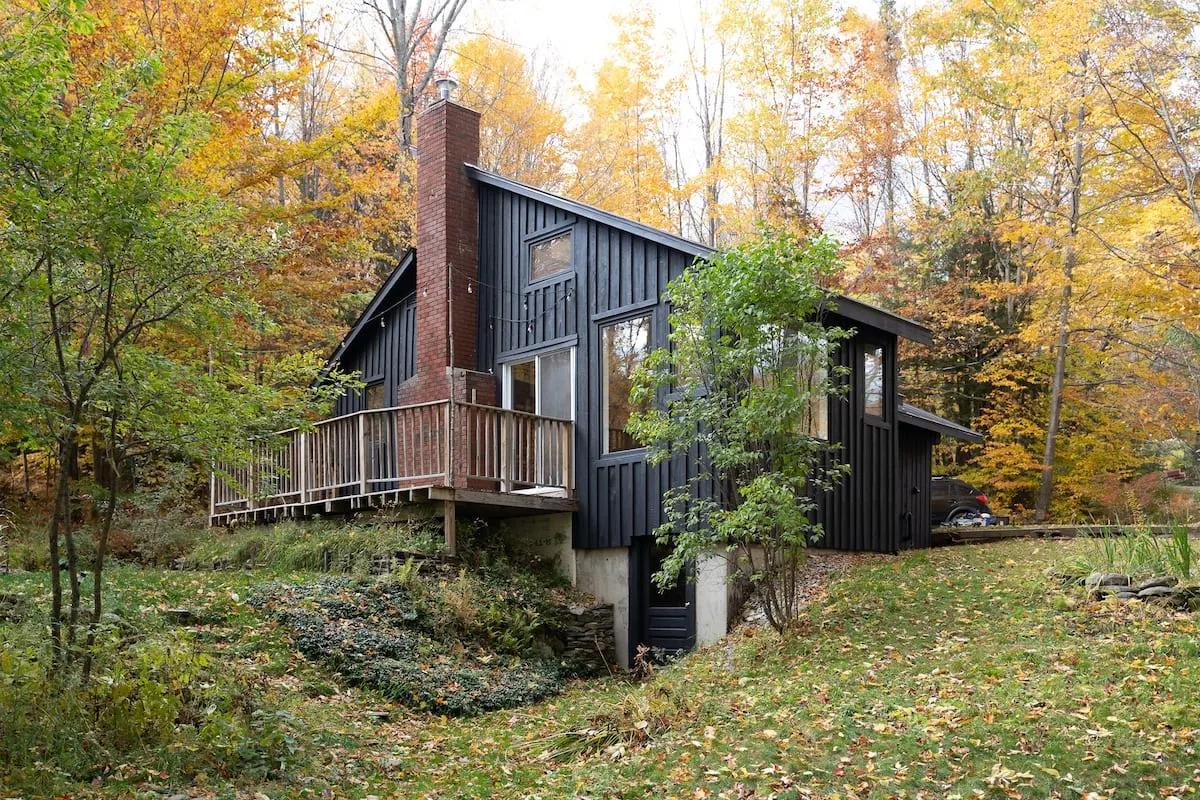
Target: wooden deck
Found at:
x=490, y=461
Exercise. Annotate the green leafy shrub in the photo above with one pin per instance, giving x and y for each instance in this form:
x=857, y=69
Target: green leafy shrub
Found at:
x=159, y=520
x=156, y=698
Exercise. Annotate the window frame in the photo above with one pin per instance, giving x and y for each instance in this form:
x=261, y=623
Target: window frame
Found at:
x=365, y=394
x=868, y=347
x=536, y=357
x=649, y=315
x=541, y=237
x=820, y=375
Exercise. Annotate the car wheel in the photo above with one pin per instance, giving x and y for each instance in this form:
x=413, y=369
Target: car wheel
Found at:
x=957, y=517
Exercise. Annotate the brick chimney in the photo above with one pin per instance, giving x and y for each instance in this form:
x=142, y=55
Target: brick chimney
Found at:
x=447, y=260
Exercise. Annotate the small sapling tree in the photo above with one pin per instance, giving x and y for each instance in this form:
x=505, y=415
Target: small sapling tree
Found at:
x=742, y=388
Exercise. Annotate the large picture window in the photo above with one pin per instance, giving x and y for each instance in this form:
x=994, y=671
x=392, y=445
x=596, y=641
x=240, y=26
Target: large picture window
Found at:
x=550, y=256
x=874, y=381
x=626, y=345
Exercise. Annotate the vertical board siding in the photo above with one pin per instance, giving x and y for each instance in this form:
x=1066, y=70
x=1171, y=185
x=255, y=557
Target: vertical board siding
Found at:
x=513, y=315
x=862, y=512
x=618, y=274
x=387, y=352
x=615, y=274
x=916, y=489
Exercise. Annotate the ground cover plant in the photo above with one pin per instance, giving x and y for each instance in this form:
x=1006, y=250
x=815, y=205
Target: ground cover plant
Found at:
x=955, y=672
x=452, y=646
x=196, y=701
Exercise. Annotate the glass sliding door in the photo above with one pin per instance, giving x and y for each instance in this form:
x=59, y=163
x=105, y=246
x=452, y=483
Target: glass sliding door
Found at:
x=543, y=385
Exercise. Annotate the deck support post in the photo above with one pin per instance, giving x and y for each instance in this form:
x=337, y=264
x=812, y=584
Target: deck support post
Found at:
x=302, y=467
x=448, y=522
x=505, y=483
x=449, y=423
x=362, y=453
x=212, y=494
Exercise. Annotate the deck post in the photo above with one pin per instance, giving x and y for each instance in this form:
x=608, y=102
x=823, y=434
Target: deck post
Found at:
x=212, y=493
x=362, y=452
x=505, y=483
x=302, y=467
x=449, y=422
x=565, y=433
x=250, y=473
x=448, y=522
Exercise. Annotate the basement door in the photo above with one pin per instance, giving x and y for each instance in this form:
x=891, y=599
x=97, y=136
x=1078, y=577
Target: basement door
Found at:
x=667, y=618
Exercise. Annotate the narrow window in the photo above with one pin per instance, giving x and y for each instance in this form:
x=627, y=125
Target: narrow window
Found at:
x=626, y=345
x=522, y=390
x=874, y=382
x=550, y=256
x=813, y=375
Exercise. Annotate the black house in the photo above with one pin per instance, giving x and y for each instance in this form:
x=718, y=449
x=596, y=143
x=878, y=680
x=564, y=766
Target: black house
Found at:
x=497, y=360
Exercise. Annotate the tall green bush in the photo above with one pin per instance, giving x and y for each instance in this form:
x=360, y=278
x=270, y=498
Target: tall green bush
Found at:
x=742, y=383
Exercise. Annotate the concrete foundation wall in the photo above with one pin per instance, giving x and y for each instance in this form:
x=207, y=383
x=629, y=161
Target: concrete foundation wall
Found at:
x=712, y=598
x=547, y=536
x=604, y=574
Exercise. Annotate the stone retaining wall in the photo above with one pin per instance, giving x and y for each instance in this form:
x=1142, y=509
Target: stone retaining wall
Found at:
x=589, y=645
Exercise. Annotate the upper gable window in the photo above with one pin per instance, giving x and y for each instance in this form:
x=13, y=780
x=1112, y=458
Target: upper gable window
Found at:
x=550, y=256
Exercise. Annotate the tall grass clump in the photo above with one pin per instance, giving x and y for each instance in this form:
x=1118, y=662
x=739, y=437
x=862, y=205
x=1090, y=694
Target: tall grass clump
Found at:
x=322, y=545
x=1136, y=550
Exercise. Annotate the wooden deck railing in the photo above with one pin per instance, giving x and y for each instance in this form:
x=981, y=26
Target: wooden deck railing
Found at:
x=369, y=452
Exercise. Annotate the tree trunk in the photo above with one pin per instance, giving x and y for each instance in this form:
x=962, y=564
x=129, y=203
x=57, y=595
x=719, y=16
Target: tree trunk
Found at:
x=101, y=550
x=1046, y=486
x=55, y=528
x=72, y=552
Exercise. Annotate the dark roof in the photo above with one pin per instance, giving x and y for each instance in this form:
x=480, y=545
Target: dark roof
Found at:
x=591, y=212
x=920, y=418
x=406, y=266
x=853, y=310
x=866, y=314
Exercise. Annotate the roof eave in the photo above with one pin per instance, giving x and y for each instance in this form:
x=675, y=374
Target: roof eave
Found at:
x=359, y=324
x=866, y=314
x=927, y=420
x=854, y=310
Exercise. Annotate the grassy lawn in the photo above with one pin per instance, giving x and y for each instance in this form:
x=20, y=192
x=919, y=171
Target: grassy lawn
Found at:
x=957, y=672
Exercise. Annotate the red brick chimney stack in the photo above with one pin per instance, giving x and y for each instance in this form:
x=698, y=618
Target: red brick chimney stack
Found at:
x=447, y=259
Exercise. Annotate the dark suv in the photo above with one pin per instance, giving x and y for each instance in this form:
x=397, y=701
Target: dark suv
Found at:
x=955, y=501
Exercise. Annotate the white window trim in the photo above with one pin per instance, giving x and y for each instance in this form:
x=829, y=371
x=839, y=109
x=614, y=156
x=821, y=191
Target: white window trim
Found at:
x=507, y=398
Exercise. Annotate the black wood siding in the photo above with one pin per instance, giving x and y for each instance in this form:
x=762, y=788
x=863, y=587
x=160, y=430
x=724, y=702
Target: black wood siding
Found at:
x=861, y=513
x=616, y=275
x=386, y=352
x=915, y=489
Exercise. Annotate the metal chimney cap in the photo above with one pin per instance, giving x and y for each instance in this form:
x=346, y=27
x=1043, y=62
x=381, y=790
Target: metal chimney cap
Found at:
x=446, y=86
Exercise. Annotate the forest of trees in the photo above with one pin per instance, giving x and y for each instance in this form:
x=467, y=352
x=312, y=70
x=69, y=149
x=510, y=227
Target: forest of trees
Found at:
x=1020, y=175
